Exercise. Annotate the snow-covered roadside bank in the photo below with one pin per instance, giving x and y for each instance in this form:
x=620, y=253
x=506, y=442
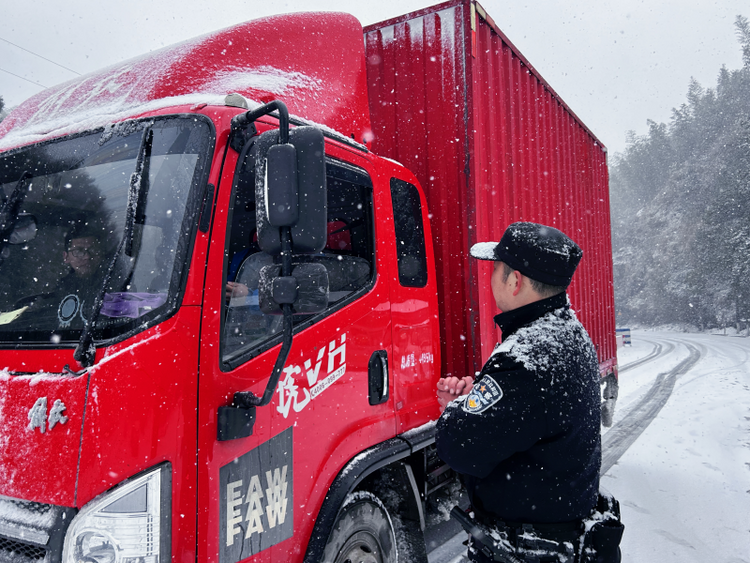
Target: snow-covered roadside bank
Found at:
x=685, y=484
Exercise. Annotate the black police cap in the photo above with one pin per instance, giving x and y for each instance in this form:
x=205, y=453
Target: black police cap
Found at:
x=542, y=253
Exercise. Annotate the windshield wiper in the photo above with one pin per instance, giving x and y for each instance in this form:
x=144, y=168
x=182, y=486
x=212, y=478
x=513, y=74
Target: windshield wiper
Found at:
x=139, y=185
x=85, y=352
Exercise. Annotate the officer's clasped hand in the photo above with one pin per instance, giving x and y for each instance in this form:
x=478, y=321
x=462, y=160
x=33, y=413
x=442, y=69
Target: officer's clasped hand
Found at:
x=448, y=388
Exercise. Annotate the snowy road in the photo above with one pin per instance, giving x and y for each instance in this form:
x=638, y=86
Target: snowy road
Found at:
x=678, y=453
x=626, y=431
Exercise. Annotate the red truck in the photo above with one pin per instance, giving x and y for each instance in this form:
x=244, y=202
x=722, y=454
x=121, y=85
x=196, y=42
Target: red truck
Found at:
x=232, y=271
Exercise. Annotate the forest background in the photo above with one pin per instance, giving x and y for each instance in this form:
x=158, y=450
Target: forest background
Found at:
x=680, y=215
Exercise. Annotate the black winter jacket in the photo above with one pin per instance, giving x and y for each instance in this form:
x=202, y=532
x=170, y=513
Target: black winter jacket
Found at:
x=527, y=438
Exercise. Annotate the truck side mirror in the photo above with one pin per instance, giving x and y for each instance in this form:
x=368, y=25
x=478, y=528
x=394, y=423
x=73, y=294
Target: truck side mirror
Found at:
x=280, y=190
x=290, y=191
x=306, y=290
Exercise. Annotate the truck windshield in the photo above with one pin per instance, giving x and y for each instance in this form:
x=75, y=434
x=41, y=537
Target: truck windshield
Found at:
x=64, y=210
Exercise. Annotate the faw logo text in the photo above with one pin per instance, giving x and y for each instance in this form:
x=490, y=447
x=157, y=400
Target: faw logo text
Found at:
x=256, y=499
x=265, y=507
x=38, y=415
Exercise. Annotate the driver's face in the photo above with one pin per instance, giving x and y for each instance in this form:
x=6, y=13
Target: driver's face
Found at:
x=83, y=255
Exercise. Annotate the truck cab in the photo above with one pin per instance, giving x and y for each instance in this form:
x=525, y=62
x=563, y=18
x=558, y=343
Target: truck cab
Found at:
x=131, y=293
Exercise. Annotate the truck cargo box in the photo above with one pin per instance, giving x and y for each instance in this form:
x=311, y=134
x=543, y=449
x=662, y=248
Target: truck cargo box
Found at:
x=491, y=143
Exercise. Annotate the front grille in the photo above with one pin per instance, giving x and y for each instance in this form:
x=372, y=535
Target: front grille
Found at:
x=32, y=532
x=13, y=551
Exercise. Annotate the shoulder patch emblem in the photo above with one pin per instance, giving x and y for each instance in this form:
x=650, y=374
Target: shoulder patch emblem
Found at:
x=482, y=396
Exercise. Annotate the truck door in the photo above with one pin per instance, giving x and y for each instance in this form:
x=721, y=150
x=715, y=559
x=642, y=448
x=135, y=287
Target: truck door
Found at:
x=259, y=496
x=414, y=306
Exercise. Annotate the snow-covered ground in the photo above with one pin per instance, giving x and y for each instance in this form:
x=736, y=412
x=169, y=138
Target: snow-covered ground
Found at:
x=684, y=484
x=678, y=453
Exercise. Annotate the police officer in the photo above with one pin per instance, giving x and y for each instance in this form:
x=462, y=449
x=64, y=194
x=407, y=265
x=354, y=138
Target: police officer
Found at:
x=525, y=435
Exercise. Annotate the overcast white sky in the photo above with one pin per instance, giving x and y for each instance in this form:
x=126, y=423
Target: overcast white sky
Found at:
x=616, y=63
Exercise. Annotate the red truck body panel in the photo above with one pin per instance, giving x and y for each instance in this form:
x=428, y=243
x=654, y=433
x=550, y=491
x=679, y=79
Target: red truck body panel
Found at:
x=25, y=441
x=491, y=143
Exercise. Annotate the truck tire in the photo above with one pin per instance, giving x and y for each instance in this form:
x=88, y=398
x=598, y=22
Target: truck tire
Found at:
x=363, y=532
x=608, y=412
x=609, y=399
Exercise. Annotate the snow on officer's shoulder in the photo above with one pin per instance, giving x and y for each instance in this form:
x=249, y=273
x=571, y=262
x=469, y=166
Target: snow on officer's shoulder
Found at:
x=545, y=255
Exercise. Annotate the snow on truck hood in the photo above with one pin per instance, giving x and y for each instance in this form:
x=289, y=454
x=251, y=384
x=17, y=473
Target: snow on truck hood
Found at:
x=42, y=430
x=40, y=434
x=313, y=62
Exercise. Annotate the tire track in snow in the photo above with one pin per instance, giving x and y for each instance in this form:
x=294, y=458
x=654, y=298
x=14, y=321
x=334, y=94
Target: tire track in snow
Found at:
x=625, y=432
x=655, y=353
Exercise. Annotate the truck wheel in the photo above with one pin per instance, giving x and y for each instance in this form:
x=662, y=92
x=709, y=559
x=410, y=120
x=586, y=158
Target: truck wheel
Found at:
x=608, y=412
x=363, y=532
x=609, y=399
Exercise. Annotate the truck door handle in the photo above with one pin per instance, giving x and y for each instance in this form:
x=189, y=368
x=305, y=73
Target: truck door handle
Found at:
x=378, y=384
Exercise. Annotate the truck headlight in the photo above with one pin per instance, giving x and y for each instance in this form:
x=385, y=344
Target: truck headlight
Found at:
x=129, y=524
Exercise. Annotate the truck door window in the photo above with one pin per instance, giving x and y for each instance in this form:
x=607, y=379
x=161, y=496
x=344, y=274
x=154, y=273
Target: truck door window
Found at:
x=348, y=258
x=410, y=247
x=79, y=193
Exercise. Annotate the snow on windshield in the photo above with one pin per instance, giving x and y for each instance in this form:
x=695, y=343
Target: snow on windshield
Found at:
x=65, y=122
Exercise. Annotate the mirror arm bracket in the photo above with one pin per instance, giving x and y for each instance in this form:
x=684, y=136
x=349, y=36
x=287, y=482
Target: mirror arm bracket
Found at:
x=237, y=420
x=243, y=120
